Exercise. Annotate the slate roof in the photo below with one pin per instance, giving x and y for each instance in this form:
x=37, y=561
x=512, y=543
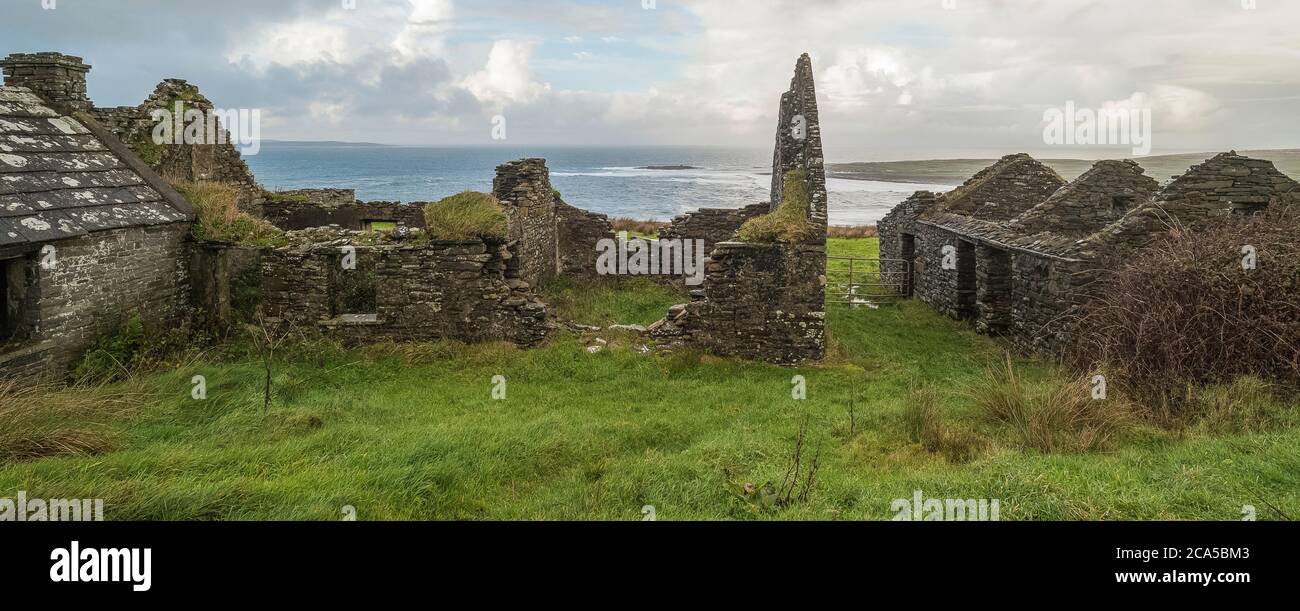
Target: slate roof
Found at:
x=1002, y=236
x=62, y=177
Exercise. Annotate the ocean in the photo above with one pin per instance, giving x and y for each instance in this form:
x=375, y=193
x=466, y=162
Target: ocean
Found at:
x=612, y=181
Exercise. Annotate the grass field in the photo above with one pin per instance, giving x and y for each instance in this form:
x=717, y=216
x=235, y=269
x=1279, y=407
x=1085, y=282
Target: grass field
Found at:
x=413, y=432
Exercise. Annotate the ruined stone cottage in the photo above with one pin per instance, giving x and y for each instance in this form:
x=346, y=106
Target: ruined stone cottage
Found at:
x=89, y=233
x=764, y=301
x=92, y=234
x=1016, y=250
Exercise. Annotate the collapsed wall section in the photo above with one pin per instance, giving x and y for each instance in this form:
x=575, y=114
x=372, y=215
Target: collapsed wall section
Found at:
x=307, y=208
x=712, y=225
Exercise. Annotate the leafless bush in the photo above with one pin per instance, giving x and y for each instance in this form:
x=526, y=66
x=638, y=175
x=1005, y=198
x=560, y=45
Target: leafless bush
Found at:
x=1186, y=311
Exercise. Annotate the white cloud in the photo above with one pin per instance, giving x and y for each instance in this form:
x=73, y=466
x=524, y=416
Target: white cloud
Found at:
x=506, y=77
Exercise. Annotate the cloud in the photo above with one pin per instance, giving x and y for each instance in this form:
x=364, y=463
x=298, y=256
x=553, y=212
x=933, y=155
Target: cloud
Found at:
x=506, y=77
x=890, y=74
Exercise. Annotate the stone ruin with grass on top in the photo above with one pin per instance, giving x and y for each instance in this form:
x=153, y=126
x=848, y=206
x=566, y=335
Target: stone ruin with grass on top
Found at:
x=764, y=299
x=131, y=245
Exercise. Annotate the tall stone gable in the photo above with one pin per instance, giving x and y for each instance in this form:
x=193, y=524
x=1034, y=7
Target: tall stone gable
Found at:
x=799, y=145
x=767, y=301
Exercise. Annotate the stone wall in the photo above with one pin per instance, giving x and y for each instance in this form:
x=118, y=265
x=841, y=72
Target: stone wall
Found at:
x=1004, y=190
x=898, y=237
x=465, y=291
x=758, y=302
x=212, y=162
x=712, y=225
x=577, y=235
x=799, y=146
x=216, y=272
x=308, y=208
x=767, y=301
x=934, y=283
x=97, y=283
x=524, y=189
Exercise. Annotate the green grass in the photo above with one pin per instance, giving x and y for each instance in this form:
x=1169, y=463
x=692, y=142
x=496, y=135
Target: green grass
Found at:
x=466, y=216
x=789, y=222
x=412, y=432
x=611, y=300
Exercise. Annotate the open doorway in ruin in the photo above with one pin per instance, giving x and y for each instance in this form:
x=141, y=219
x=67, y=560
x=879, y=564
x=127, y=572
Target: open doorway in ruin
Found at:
x=907, y=251
x=967, y=281
x=13, y=288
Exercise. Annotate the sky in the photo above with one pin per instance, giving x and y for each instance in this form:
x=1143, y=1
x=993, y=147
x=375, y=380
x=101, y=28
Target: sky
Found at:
x=896, y=79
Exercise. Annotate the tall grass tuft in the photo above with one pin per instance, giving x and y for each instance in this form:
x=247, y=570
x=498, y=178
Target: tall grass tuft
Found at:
x=221, y=220
x=927, y=426
x=466, y=216
x=787, y=224
x=42, y=421
x=1061, y=416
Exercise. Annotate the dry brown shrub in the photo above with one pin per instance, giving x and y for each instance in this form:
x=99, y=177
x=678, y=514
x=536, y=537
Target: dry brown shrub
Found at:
x=1183, y=312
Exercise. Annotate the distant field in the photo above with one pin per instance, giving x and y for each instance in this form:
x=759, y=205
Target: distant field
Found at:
x=412, y=432
x=956, y=171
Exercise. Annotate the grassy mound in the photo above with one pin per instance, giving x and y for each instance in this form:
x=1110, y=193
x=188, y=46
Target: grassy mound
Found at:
x=221, y=220
x=466, y=216
x=789, y=222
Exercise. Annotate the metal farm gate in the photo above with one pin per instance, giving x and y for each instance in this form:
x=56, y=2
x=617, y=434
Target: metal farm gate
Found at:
x=859, y=281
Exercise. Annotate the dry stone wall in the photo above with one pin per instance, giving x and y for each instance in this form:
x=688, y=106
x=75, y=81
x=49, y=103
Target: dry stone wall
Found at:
x=578, y=234
x=211, y=162
x=466, y=291
x=712, y=225
x=524, y=189
x=767, y=301
x=307, y=208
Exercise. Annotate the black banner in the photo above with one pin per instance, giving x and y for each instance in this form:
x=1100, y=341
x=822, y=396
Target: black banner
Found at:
x=231, y=559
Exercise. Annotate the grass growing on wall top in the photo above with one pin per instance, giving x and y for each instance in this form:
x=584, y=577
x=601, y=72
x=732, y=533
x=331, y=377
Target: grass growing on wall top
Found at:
x=466, y=216
x=220, y=219
x=787, y=224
